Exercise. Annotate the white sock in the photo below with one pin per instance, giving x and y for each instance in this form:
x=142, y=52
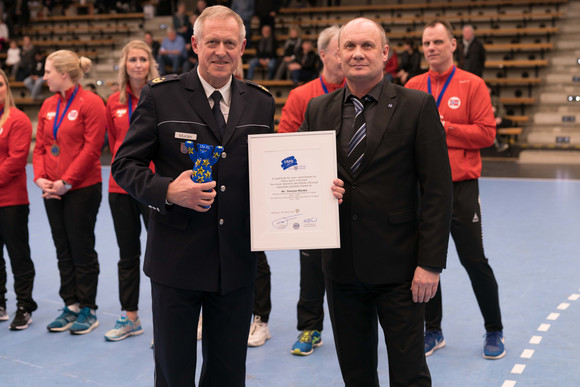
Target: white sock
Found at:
x=74, y=307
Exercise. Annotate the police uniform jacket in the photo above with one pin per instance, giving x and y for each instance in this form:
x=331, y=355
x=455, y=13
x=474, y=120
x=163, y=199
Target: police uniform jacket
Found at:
x=187, y=249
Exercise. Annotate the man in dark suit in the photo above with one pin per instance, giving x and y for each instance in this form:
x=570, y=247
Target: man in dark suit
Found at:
x=198, y=245
x=394, y=221
x=470, y=54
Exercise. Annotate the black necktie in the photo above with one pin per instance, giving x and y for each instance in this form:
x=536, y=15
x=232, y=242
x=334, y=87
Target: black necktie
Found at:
x=217, y=112
x=357, y=143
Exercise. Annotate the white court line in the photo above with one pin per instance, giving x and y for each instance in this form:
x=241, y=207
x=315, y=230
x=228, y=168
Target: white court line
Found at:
x=518, y=368
x=527, y=354
x=553, y=316
x=535, y=339
x=574, y=297
x=509, y=383
x=563, y=306
x=544, y=327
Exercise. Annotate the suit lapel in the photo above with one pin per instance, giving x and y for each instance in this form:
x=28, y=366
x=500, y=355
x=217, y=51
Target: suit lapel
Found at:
x=385, y=108
x=199, y=103
x=335, y=111
x=237, y=107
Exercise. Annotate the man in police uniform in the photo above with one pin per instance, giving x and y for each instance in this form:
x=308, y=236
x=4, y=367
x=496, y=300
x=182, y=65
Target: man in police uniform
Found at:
x=198, y=246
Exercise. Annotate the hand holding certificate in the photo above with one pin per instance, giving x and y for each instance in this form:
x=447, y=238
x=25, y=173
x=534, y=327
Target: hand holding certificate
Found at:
x=292, y=205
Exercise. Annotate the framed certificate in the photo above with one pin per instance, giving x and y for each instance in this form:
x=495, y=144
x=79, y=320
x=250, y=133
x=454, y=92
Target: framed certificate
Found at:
x=291, y=203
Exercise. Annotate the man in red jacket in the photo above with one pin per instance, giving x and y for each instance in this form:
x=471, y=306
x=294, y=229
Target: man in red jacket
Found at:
x=310, y=311
x=467, y=116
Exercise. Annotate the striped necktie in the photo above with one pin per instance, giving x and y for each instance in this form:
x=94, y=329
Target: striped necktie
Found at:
x=357, y=144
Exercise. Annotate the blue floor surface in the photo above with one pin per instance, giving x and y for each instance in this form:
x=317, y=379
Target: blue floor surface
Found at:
x=531, y=237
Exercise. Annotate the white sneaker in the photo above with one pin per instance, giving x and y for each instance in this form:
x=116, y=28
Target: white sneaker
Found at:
x=259, y=333
x=199, y=327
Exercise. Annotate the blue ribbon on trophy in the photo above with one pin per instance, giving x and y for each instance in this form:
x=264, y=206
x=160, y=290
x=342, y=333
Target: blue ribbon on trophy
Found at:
x=203, y=159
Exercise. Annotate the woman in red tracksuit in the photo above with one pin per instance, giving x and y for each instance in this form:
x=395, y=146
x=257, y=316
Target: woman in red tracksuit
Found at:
x=136, y=67
x=67, y=167
x=15, y=133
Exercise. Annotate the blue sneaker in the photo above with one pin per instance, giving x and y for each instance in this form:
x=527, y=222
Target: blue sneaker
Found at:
x=64, y=321
x=86, y=322
x=494, y=345
x=124, y=328
x=307, y=340
x=433, y=341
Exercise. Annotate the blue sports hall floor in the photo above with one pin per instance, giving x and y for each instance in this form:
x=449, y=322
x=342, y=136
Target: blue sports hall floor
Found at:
x=531, y=223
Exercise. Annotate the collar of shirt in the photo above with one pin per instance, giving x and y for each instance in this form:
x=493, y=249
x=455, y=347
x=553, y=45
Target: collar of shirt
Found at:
x=68, y=92
x=375, y=92
x=225, y=90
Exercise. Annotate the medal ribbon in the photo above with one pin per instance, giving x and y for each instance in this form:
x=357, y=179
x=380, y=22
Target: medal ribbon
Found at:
x=55, y=124
x=444, y=86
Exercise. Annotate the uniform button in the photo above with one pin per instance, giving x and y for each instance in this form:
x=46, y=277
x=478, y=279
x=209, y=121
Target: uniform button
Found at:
x=354, y=217
x=224, y=155
x=223, y=188
x=355, y=186
x=221, y=222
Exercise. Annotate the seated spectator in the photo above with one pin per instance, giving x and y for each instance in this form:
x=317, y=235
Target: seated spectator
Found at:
x=152, y=43
x=266, y=56
x=409, y=62
x=26, y=64
x=13, y=59
x=391, y=66
x=172, y=52
x=292, y=46
x=4, y=35
x=305, y=68
x=35, y=80
x=500, y=121
x=191, y=60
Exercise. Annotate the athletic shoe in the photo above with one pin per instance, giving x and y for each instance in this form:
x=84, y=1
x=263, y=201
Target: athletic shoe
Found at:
x=259, y=333
x=3, y=314
x=64, y=321
x=199, y=327
x=433, y=341
x=124, y=328
x=493, y=347
x=307, y=341
x=86, y=322
x=21, y=320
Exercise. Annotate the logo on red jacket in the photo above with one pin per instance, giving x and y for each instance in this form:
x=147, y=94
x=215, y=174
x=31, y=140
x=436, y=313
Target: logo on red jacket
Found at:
x=121, y=112
x=73, y=115
x=1, y=130
x=50, y=115
x=454, y=103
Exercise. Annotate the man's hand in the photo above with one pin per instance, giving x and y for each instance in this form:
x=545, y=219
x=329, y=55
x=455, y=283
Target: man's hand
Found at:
x=424, y=284
x=338, y=189
x=185, y=193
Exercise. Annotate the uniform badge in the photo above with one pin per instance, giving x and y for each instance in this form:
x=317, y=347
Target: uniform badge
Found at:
x=157, y=80
x=73, y=115
x=454, y=103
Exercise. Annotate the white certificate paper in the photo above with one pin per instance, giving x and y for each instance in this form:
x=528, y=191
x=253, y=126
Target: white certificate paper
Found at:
x=291, y=203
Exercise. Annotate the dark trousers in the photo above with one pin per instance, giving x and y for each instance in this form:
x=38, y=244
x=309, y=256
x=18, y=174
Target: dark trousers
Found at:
x=226, y=325
x=262, y=288
x=127, y=213
x=72, y=222
x=14, y=235
x=354, y=308
x=310, y=308
x=467, y=234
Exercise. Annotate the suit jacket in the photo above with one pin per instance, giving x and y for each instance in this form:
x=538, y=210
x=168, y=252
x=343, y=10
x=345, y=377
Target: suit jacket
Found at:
x=474, y=61
x=187, y=249
x=396, y=211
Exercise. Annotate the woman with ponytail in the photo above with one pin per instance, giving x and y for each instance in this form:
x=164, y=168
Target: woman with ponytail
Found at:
x=67, y=168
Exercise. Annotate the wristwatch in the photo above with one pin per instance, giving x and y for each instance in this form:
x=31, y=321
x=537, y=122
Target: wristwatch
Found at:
x=68, y=186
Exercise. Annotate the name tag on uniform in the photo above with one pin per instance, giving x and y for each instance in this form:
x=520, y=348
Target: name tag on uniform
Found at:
x=186, y=136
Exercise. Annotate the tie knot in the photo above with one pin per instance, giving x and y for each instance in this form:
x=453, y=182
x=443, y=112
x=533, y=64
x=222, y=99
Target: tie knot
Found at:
x=361, y=103
x=216, y=96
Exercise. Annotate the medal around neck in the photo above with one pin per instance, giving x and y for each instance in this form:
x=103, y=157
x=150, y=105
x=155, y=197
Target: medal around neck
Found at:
x=203, y=159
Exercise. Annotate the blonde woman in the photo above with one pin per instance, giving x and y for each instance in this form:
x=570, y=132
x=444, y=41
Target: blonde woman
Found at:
x=136, y=67
x=67, y=168
x=15, y=133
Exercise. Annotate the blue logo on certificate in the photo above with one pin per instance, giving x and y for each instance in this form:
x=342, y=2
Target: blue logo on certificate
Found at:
x=289, y=162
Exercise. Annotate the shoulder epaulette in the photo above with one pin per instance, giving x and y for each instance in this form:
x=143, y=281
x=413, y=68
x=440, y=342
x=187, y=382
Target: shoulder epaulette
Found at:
x=254, y=84
x=164, y=79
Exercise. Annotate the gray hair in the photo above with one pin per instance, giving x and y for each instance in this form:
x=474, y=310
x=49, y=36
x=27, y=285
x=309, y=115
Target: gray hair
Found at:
x=217, y=12
x=326, y=36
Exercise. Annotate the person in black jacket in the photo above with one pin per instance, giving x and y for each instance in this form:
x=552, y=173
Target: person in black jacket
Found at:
x=470, y=53
x=266, y=55
x=409, y=62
